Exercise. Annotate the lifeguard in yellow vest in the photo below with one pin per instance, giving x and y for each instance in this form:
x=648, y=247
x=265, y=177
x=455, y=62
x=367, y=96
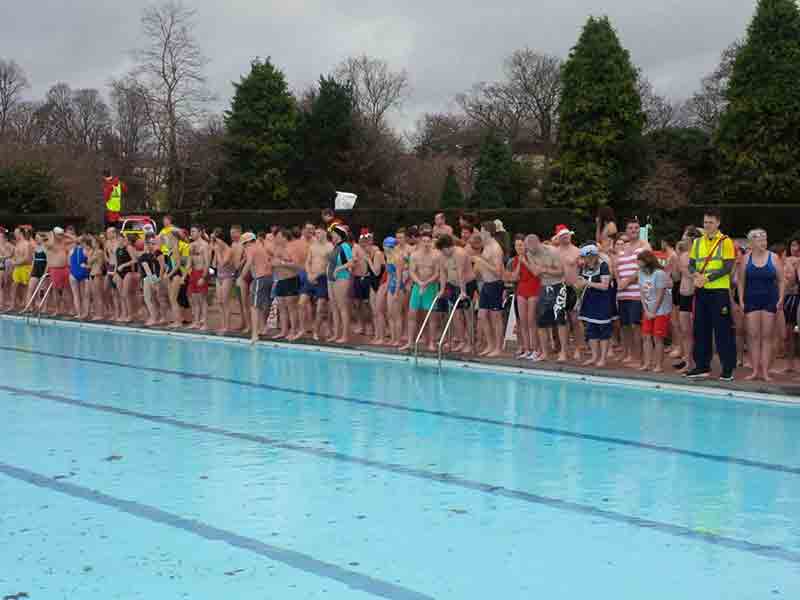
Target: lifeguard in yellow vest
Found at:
x=113, y=190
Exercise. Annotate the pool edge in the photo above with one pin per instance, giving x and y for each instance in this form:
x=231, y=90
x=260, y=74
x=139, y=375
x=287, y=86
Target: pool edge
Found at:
x=610, y=379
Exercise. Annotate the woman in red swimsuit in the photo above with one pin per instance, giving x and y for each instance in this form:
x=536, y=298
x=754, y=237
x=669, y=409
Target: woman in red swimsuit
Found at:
x=527, y=295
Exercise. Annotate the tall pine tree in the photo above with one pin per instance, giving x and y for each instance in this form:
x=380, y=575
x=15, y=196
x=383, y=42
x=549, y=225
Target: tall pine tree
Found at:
x=600, y=122
x=260, y=142
x=493, y=184
x=326, y=133
x=452, y=197
x=759, y=133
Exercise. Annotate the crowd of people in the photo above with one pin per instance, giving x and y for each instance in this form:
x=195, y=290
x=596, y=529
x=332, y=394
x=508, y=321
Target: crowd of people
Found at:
x=611, y=299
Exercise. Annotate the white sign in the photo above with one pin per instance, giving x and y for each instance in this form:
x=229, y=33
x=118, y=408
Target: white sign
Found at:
x=511, y=326
x=345, y=201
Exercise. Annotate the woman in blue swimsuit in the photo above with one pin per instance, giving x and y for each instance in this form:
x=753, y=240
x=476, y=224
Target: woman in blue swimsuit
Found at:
x=761, y=288
x=79, y=276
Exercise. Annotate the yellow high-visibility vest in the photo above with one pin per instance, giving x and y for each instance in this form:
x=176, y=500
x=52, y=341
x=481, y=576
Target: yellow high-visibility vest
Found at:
x=114, y=203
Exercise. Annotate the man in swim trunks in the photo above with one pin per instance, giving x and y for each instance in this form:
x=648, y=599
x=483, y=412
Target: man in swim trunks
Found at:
x=242, y=279
x=316, y=287
x=425, y=275
x=440, y=226
x=570, y=254
x=298, y=250
x=361, y=285
x=287, y=265
x=22, y=261
x=6, y=270
x=551, y=310
x=197, y=287
x=490, y=266
x=258, y=263
x=57, y=267
x=458, y=279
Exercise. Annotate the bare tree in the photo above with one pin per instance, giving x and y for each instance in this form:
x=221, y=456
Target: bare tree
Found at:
x=60, y=112
x=27, y=123
x=705, y=107
x=132, y=130
x=12, y=83
x=660, y=113
x=171, y=70
x=494, y=106
x=524, y=105
x=376, y=88
x=535, y=79
x=79, y=119
x=92, y=118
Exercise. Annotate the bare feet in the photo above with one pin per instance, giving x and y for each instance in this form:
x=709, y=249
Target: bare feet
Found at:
x=562, y=357
x=601, y=364
x=494, y=354
x=658, y=369
x=644, y=368
x=588, y=363
x=404, y=348
x=752, y=377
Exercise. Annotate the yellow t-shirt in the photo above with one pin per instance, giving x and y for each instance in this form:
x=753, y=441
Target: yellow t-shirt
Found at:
x=165, y=231
x=722, y=251
x=183, y=253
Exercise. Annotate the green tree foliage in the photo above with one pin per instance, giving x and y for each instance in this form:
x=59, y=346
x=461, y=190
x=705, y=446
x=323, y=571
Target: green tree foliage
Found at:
x=452, y=196
x=759, y=132
x=261, y=140
x=28, y=188
x=601, y=122
x=327, y=137
x=493, y=184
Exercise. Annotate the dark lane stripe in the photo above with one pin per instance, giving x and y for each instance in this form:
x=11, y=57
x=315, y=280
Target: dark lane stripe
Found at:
x=436, y=413
x=297, y=560
x=445, y=478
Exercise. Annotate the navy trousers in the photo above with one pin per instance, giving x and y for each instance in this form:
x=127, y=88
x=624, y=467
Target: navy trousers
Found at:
x=712, y=317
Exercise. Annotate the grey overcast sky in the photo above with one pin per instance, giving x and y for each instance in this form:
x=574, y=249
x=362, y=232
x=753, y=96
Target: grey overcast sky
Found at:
x=445, y=45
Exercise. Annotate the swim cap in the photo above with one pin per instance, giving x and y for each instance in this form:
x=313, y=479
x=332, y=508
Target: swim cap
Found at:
x=389, y=242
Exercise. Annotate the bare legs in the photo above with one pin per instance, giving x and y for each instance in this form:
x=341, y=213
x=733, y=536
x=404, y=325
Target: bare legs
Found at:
x=341, y=292
x=760, y=328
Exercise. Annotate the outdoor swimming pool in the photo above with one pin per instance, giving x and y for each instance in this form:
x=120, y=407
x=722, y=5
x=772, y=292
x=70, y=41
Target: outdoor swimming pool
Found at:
x=146, y=466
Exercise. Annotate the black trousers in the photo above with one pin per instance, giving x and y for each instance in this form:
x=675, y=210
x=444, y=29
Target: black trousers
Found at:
x=712, y=317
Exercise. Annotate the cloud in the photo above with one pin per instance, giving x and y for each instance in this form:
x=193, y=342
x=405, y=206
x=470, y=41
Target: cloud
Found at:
x=445, y=45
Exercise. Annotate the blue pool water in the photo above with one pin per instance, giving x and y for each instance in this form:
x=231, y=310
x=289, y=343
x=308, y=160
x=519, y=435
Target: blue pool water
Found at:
x=141, y=466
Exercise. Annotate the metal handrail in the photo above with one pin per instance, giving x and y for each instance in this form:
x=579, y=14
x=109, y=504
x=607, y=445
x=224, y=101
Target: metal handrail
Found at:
x=447, y=328
x=42, y=303
x=36, y=291
x=422, y=329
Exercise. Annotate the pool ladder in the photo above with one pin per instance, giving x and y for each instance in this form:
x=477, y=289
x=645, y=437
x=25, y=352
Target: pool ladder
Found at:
x=44, y=287
x=422, y=329
x=446, y=329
